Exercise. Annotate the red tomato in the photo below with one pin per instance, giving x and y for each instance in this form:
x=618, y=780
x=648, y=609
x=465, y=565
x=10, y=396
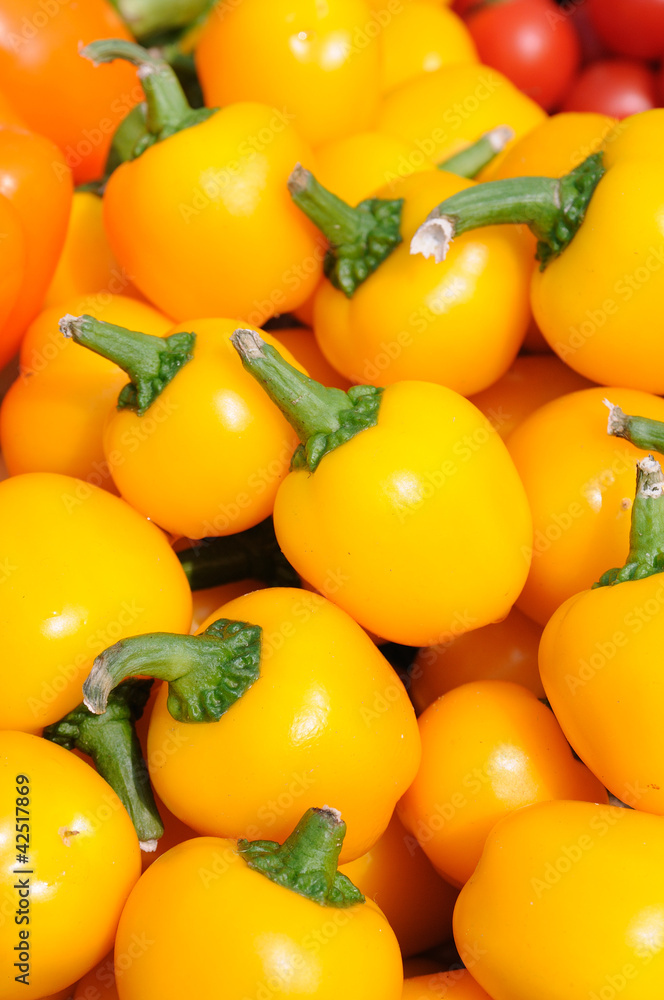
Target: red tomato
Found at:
x=532, y=42
x=615, y=87
x=592, y=46
x=660, y=87
x=462, y=7
x=630, y=27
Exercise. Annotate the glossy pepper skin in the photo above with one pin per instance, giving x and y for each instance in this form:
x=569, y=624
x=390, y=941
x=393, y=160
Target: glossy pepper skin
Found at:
x=440, y=113
x=95, y=570
x=488, y=748
x=596, y=660
x=204, y=222
x=376, y=526
x=532, y=381
x=78, y=837
x=58, y=94
x=422, y=38
x=207, y=456
x=580, y=484
x=256, y=936
x=460, y=323
x=318, y=62
x=38, y=183
x=635, y=137
x=331, y=713
x=542, y=884
x=53, y=416
x=505, y=651
x=396, y=874
x=554, y=147
x=357, y=165
x=596, y=294
x=598, y=303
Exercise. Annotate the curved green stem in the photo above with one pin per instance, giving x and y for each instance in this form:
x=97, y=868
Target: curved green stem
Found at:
x=167, y=108
x=206, y=673
x=150, y=362
x=646, y=539
x=110, y=740
x=641, y=431
x=251, y=554
x=474, y=158
x=553, y=209
x=307, y=861
x=132, y=133
x=360, y=238
x=323, y=418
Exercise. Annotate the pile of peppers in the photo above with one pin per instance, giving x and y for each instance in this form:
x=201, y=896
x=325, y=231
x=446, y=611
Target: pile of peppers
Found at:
x=331, y=503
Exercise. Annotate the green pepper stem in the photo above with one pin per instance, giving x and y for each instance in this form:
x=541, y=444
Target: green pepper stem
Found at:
x=474, y=158
x=641, y=431
x=323, y=418
x=207, y=673
x=646, y=539
x=307, y=861
x=150, y=362
x=553, y=209
x=168, y=110
x=251, y=554
x=131, y=133
x=149, y=17
x=360, y=238
x=110, y=740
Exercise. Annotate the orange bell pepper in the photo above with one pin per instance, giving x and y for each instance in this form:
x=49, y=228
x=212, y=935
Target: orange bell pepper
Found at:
x=369, y=513
x=597, y=662
x=201, y=216
x=73, y=547
x=35, y=178
x=579, y=484
x=194, y=443
x=53, y=416
x=528, y=384
x=318, y=63
x=73, y=834
x=441, y=113
x=488, y=748
x=329, y=707
x=542, y=917
x=422, y=38
x=505, y=651
x=272, y=918
x=385, y=315
x=58, y=94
